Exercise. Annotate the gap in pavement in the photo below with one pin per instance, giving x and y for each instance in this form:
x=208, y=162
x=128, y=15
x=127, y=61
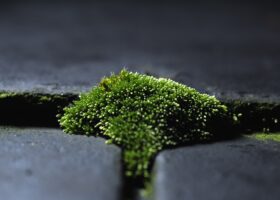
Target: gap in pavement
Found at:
x=41, y=110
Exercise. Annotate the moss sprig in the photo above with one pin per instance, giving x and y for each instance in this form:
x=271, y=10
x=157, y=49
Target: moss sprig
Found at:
x=143, y=115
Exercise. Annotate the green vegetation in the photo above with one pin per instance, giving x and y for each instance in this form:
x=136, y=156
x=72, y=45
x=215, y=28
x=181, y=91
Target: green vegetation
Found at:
x=143, y=115
x=5, y=95
x=267, y=136
x=148, y=191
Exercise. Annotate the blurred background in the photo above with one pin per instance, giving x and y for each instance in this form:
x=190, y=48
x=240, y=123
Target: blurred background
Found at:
x=214, y=46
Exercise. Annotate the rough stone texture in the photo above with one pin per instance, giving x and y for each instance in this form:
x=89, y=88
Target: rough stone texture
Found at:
x=38, y=163
x=226, y=49
x=244, y=169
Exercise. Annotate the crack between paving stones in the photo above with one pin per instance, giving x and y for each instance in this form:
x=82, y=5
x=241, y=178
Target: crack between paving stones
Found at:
x=138, y=188
x=41, y=110
x=32, y=109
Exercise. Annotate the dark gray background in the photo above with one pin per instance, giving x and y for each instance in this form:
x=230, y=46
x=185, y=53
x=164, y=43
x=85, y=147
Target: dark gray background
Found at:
x=67, y=46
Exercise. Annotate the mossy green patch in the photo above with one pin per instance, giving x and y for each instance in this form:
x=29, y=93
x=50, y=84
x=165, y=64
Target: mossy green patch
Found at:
x=267, y=136
x=5, y=95
x=148, y=192
x=143, y=115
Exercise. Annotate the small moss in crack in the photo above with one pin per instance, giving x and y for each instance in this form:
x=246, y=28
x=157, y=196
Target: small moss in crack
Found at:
x=144, y=115
x=45, y=99
x=5, y=95
x=267, y=136
x=148, y=192
x=32, y=109
x=254, y=116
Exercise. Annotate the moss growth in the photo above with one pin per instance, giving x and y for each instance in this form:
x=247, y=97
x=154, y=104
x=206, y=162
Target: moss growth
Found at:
x=45, y=99
x=267, y=136
x=143, y=115
x=148, y=192
x=5, y=95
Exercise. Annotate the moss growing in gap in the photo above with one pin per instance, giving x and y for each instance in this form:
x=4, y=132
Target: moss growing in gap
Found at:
x=253, y=116
x=267, y=136
x=144, y=115
x=32, y=109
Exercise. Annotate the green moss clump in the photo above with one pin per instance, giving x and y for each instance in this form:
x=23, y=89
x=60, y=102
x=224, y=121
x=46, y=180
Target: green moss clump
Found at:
x=143, y=115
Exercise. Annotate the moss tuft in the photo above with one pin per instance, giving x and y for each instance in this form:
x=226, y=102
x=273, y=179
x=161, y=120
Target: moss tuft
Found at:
x=143, y=115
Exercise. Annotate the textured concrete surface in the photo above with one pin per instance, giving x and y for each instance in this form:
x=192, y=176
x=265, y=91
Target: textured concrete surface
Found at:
x=244, y=169
x=226, y=49
x=38, y=163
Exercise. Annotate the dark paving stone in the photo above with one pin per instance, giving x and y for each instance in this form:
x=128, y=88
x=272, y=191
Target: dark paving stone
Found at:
x=48, y=164
x=242, y=169
x=226, y=49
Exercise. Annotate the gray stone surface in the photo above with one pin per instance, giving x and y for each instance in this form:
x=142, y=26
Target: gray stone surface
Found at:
x=44, y=164
x=222, y=48
x=243, y=169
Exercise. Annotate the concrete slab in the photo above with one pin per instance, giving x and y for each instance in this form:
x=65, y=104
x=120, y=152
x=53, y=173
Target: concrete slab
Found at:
x=41, y=163
x=226, y=49
x=244, y=169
